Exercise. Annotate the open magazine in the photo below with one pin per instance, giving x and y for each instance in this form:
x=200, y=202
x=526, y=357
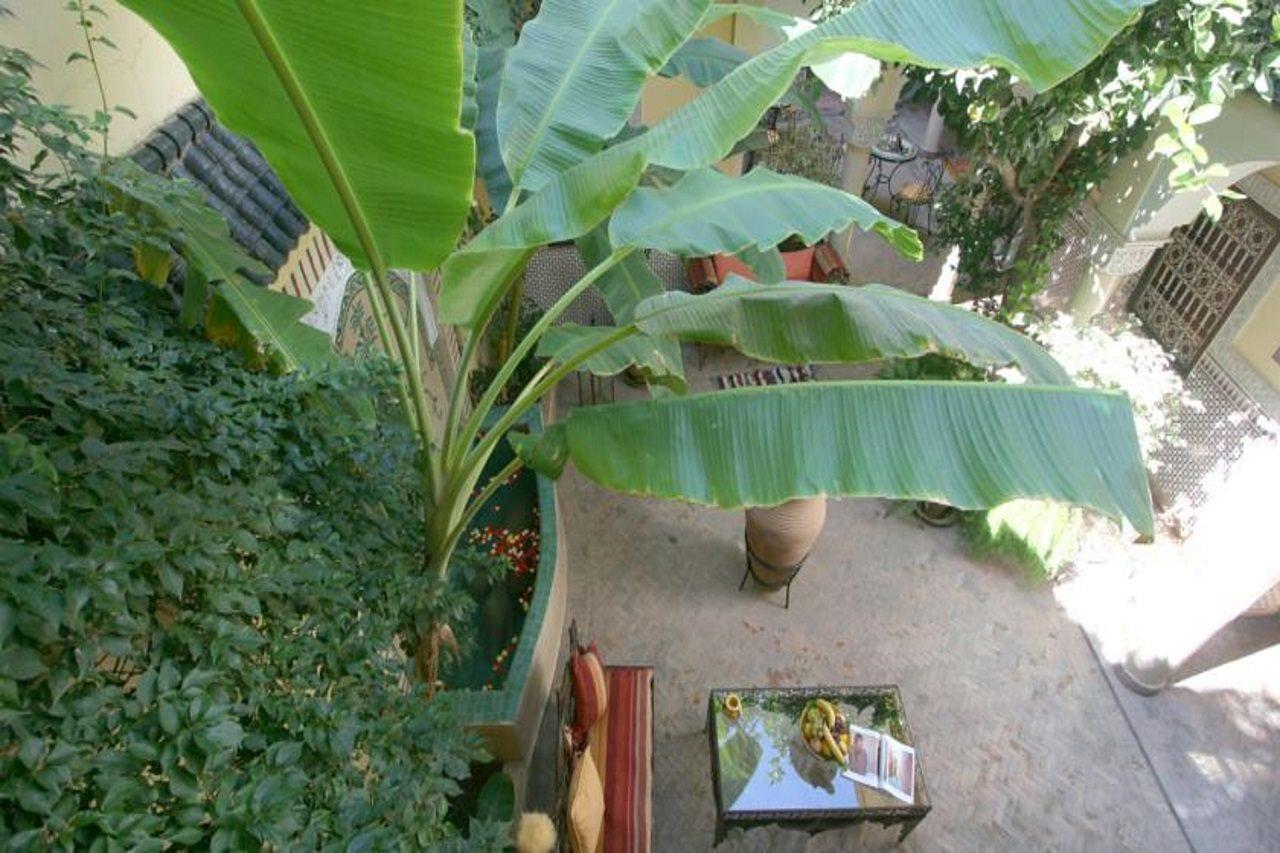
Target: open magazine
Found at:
x=878, y=760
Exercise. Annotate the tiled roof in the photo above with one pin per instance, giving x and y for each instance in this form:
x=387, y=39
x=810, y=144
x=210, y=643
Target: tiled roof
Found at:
x=235, y=178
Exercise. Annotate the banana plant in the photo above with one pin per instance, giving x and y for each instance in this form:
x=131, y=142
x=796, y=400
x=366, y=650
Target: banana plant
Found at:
x=360, y=109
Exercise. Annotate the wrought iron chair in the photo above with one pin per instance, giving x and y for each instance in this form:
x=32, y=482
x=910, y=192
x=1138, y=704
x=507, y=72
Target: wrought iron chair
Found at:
x=917, y=192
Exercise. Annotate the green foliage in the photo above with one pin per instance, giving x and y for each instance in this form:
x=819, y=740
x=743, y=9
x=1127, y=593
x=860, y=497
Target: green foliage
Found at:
x=207, y=575
x=1115, y=354
x=802, y=147
x=529, y=365
x=1037, y=156
x=387, y=105
x=919, y=440
x=688, y=218
x=569, y=83
x=1039, y=537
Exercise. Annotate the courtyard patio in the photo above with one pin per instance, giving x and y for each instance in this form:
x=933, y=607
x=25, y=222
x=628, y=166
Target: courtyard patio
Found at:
x=390, y=457
x=1026, y=740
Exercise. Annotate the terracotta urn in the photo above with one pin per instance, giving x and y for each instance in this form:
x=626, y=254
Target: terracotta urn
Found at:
x=779, y=538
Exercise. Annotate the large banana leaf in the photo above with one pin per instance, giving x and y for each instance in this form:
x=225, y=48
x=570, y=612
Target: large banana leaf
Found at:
x=376, y=90
x=261, y=324
x=1041, y=41
x=470, y=109
x=968, y=444
x=628, y=283
x=495, y=34
x=825, y=323
x=264, y=326
x=652, y=356
x=491, y=61
x=704, y=61
x=575, y=76
x=575, y=201
x=708, y=212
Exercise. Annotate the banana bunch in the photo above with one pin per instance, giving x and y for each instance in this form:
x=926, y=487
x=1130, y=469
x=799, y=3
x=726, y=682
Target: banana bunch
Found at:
x=825, y=731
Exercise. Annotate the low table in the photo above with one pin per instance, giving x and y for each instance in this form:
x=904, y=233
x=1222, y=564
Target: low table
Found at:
x=762, y=772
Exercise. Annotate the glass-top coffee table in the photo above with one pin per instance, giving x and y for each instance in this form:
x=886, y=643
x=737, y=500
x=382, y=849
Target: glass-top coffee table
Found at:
x=763, y=773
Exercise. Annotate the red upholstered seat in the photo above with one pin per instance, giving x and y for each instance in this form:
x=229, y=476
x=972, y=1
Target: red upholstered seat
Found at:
x=621, y=744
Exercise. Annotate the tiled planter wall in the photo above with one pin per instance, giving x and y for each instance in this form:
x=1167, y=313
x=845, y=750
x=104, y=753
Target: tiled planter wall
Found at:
x=508, y=718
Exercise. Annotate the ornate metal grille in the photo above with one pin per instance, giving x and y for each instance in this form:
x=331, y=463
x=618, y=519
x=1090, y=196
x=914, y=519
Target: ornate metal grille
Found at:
x=1190, y=287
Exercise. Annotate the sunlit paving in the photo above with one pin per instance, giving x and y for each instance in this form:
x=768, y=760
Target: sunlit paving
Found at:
x=562, y=425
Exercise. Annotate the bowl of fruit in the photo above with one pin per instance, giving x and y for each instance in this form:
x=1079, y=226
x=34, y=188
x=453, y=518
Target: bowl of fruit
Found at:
x=825, y=731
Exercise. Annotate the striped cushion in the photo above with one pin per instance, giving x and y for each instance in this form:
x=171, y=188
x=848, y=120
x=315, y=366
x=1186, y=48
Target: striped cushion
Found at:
x=622, y=746
x=590, y=690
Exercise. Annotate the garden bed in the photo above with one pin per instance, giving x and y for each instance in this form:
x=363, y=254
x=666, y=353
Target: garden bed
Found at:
x=501, y=686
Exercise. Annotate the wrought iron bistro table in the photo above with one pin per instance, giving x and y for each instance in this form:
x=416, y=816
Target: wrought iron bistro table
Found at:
x=762, y=773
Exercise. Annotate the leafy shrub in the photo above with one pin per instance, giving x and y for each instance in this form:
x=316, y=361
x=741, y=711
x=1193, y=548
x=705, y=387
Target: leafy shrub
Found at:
x=1039, y=537
x=205, y=572
x=1115, y=354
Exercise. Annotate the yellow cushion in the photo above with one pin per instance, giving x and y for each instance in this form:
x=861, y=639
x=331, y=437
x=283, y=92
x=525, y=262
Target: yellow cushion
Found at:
x=915, y=193
x=586, y=805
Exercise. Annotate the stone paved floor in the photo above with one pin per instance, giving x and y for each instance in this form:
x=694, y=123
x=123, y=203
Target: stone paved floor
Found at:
x=1213, y=737
x=1024, y=741
x=1019, y=735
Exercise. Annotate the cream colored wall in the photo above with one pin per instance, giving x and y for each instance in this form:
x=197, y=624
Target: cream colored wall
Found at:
x=142, y=74
x=1136, y=199
x=1259, y=340
x=663, y=96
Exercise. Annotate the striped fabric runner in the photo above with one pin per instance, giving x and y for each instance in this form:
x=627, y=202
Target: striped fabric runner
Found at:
x=767, y=376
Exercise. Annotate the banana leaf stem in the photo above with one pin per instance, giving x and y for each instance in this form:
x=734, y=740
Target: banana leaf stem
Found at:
x=443, y=553
x=526, y=345
x=417, y=401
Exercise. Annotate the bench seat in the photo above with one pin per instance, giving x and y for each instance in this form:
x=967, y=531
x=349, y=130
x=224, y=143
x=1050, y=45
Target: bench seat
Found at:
x=621, y=744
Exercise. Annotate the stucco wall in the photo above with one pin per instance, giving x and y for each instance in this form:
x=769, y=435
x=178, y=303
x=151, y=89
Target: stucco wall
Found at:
x=142, y=74
x=1245, y=345
x=1259, y=341
x=663, y=96
x=1137, y=201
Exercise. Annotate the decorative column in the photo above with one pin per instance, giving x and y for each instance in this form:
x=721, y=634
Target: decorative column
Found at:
x=860, y=134
x=932, y=142
x=865, y=123
x=1112, y=259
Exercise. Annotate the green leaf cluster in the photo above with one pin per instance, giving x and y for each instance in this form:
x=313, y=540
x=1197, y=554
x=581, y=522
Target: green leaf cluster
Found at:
x=1037, y=156
x=208, y=575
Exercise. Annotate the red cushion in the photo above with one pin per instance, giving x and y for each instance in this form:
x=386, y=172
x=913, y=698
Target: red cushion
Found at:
x=590, y=689
x=628, y=747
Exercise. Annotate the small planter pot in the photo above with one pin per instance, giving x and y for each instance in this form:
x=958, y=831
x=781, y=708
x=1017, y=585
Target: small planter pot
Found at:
x=936, y=514
x=798, y=264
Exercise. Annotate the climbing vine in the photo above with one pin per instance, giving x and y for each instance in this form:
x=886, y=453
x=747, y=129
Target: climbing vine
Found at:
x=1034, y=158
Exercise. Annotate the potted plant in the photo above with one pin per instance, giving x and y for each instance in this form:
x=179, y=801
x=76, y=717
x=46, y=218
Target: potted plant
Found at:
x=376, y=131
